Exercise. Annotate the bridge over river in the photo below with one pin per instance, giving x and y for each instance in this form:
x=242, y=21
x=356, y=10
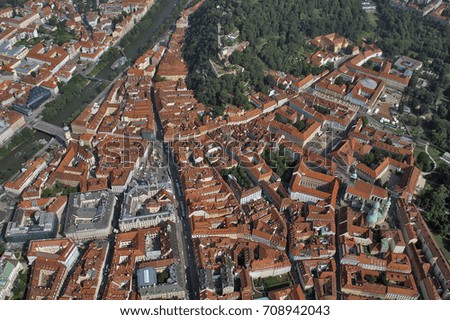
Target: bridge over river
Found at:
x=49, y=129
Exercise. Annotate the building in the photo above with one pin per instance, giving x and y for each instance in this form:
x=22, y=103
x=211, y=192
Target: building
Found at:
x=26, y=177
x=84, y=283
x=31, y=225
x=19, y=52
x=146, y=205
x=50, y=262
x=301, y=137
x=332, y=42
x=9, y=270
x=244, y=195
x=290, y=293
x=365, y=92
x=155, y=247
x=368, y=6
x=89, y=215
x=364, y=283
x=416, y=231
x=311, y=186
x=405, y=63
x=364, y=192
x=150, y=288
x=10, y=123
x=392, y=78
x=36, y=97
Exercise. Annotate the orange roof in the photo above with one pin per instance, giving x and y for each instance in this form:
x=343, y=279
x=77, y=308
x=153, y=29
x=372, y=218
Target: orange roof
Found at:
x=366, y=190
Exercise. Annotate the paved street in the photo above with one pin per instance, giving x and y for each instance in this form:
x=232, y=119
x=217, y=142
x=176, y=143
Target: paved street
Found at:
x=187, y=245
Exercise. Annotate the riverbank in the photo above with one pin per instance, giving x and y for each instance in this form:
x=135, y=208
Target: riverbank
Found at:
x=11, y=163
x=18, y=139
x=143, y=35
x=162, y=15
x=80, y=91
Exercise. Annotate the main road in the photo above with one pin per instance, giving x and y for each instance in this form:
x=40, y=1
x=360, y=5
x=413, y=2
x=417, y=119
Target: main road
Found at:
x=188, y=247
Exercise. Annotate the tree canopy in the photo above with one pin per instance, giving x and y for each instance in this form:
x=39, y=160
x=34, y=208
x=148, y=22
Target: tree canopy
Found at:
x=277, y=31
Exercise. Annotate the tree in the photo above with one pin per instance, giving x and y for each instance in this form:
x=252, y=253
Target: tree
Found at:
x=270, y=81
x=438, y=131
x=442, y=174
x=339, y=81
x=369, y=158
x=424, y=162
x=435, y=202
x=369, y=64
x=365, y=121
x=158, y=78
x=442, y=111
x=410, y=120
x=53, y=21
x=374, y=157
x=240, y=100
x=277, y=41
x=370, y=278
x=300, y=125
x=349, y=49
x=162, y=276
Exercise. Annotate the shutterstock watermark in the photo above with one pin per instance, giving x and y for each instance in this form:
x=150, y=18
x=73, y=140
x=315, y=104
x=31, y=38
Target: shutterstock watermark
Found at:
x=199, y=152
x=124, y=151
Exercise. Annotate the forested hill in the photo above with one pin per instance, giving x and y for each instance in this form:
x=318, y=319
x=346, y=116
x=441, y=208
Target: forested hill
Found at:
x=403, y=32
x=277, y=31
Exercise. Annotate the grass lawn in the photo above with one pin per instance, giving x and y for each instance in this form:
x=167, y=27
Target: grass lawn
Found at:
x=444, y=244
x=58, y=189
x=18, y=139
x=396, y=131
x=109, y=57
x=436, y=155
x=418, y=149
x=276, y=282
x=61, y=36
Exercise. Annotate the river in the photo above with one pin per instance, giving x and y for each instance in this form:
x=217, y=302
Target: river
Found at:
x=10, y=164
x=133, y=50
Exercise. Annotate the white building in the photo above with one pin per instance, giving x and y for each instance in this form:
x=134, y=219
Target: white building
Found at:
x=9, y=270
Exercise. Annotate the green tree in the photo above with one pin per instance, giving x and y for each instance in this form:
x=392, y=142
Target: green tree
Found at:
x=365, y=121
x=53, y=21
x=339, y=81
x=424, y=162
x=368, y=158
x=277, y=41
x=435, y=204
